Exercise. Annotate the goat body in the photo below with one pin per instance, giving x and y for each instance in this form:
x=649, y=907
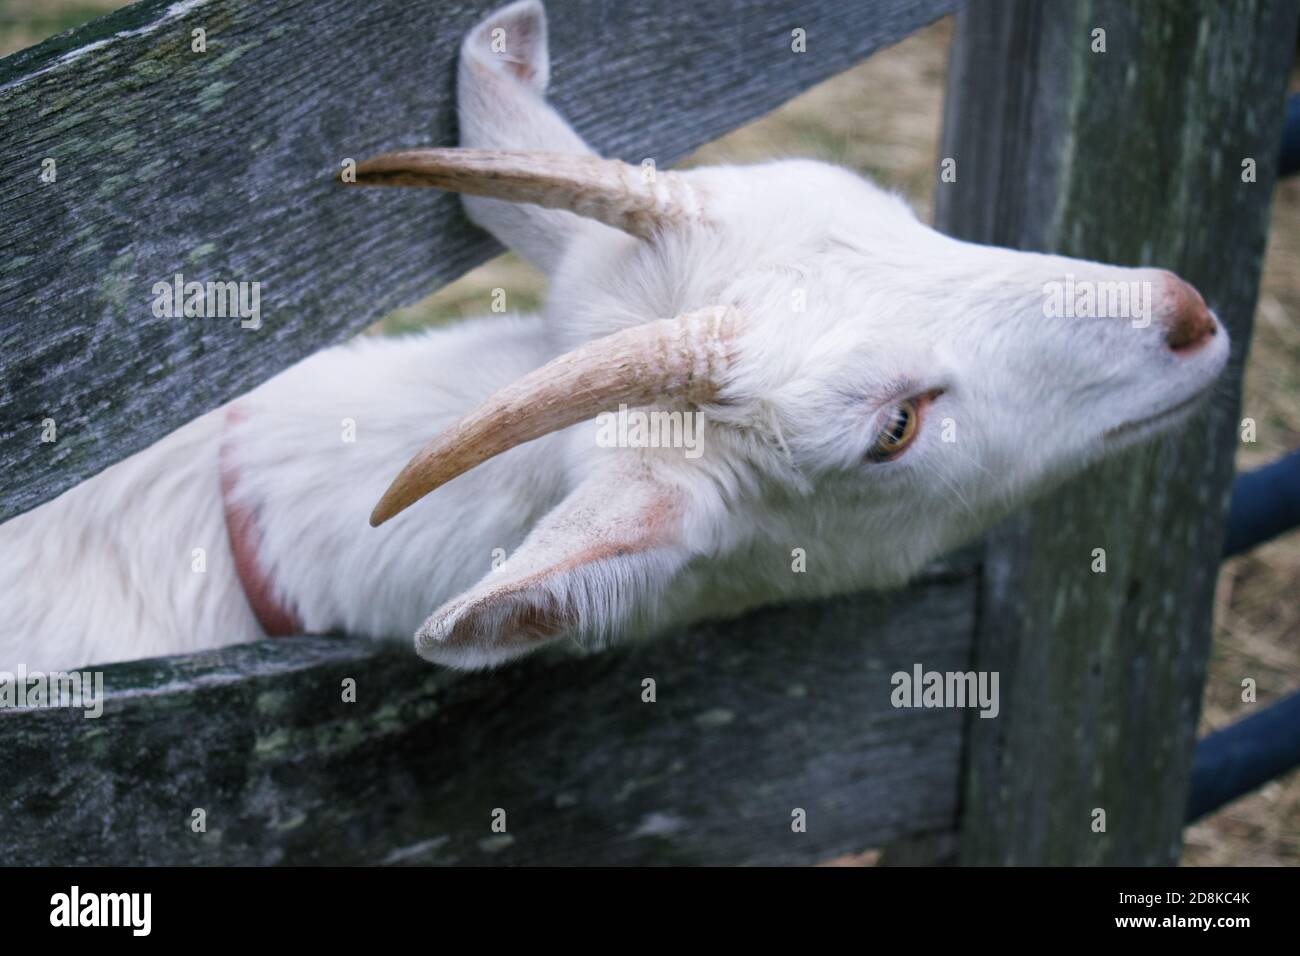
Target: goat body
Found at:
x=874, y=393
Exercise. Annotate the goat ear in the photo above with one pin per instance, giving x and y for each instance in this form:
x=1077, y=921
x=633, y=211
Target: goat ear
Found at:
x=598, y=557
x=504, y=70
x=511, y=41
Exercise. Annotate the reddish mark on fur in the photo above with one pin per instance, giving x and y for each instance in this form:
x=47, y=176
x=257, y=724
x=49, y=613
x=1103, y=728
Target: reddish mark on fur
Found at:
x=245, y=542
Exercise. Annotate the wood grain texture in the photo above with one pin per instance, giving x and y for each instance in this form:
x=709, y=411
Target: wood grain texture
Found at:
x=219, y=166
x=1133, y=156
x=788, y=708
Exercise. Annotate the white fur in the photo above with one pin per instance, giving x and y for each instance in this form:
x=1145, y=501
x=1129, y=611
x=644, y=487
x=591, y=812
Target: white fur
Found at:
x=615, y=541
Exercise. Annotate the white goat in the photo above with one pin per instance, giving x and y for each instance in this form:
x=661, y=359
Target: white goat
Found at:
x=874, y=393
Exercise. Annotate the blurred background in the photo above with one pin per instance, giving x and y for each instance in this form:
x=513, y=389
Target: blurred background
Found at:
x=882, y=118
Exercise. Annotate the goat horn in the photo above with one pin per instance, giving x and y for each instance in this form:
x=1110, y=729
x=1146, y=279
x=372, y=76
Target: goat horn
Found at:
x=607, y=190
x=682, y=357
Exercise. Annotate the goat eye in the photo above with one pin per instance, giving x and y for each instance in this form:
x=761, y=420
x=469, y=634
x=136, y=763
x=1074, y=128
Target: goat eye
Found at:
x=898, y=432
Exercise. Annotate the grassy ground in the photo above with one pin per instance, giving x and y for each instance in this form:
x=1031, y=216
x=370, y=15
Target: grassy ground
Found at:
x=882, y=118
x=26, y=22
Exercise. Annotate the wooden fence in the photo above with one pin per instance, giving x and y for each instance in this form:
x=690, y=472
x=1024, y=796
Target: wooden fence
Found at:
x=221, y=164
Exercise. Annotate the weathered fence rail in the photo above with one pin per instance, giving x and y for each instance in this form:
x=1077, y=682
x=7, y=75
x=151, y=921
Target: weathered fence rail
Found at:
x=753, y=718
x=220, y=165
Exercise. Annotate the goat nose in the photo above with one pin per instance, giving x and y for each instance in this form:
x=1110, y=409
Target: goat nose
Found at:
x=1188, y=322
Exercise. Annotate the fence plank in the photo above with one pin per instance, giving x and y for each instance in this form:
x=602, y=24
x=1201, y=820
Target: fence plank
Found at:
x=1133, y=156
x=785, y=709
x=218, y=166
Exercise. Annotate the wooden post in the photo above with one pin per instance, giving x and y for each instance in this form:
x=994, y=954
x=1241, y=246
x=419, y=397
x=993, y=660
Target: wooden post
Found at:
x=1134, y=155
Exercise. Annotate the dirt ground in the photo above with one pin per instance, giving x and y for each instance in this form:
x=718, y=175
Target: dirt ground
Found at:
x=882, y=119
